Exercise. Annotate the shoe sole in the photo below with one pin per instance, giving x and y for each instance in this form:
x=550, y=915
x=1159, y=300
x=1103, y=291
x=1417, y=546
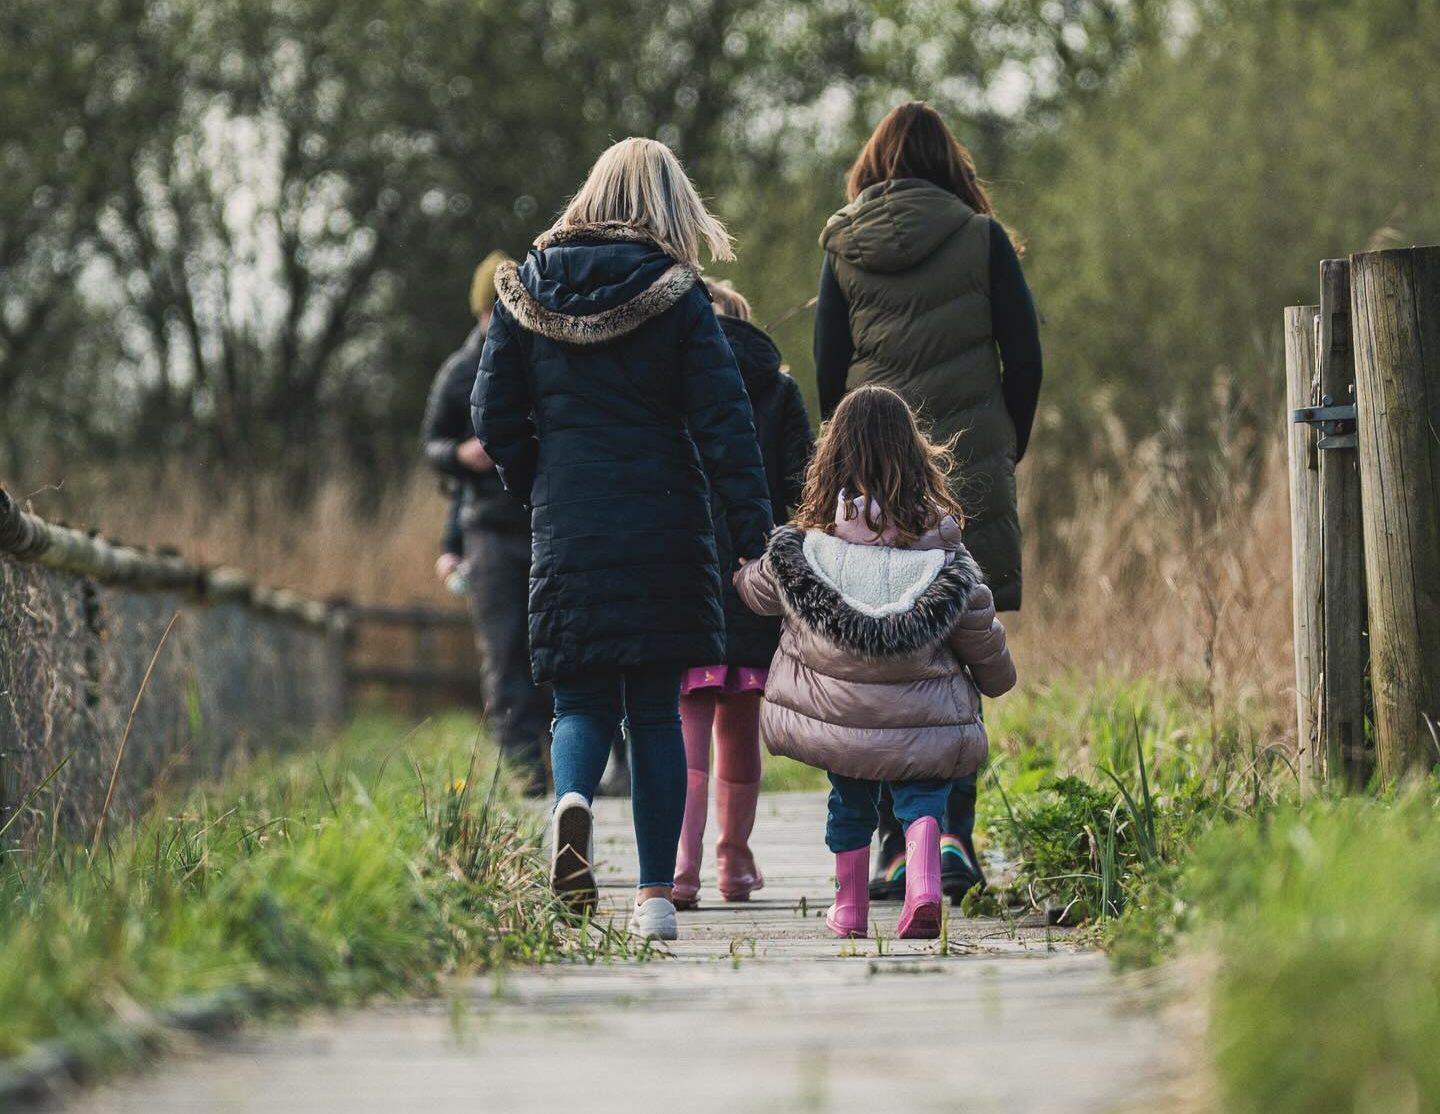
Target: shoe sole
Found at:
x=572, y=877
x=655, y=934
x=742, y=895
x=924, y=923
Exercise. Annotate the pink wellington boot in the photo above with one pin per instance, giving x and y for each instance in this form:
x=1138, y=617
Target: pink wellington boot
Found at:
x=735, y=868
x=686, y=894
x=920, y=916
x=850, y=915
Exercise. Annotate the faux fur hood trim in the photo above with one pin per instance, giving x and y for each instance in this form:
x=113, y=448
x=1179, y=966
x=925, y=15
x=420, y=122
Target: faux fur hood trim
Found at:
x=810, y=601
x=614, y=231
x=594, y=328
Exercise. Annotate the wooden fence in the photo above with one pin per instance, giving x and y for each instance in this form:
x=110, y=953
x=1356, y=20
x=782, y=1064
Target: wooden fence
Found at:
x=442, y=668
x=1363, y=395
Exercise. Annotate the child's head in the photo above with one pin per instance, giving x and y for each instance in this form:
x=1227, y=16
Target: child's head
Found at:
x=641, y=183
x=728, y=300
x=872, y=446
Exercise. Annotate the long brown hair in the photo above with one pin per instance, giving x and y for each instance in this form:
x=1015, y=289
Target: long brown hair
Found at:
x=874, y=447
x=913, y=142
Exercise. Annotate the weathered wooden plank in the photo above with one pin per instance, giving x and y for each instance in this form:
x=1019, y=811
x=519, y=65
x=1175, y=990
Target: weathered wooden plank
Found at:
x=1397, y=314
x=1302, y=388
x=1343, y=703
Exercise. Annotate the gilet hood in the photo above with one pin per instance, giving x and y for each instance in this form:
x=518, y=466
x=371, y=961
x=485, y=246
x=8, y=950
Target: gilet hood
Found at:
x=894, y=225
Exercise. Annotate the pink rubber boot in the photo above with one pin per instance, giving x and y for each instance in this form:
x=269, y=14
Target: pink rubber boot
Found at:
x=735, y=868
x=920, y=916
x=686, y=894
x=850, y=915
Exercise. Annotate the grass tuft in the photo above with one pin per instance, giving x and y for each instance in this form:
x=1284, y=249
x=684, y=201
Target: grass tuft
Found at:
x=322, y=879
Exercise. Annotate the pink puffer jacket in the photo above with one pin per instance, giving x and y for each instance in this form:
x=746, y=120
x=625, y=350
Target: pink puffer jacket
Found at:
x=883, y=654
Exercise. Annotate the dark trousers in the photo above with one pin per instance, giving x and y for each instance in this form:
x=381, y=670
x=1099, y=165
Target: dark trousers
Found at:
x=517, y=710
x=959, y=819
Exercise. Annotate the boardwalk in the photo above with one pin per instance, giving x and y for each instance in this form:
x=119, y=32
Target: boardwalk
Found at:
x=758, y=1011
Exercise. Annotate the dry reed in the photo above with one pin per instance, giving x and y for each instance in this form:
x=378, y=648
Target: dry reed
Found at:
x=1158, y=561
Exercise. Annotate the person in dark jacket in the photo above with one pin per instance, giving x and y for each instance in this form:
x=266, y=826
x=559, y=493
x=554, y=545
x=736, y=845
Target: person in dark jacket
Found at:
x=921, y=291
x=608, y=397
x=490, y=532
x=723, y=698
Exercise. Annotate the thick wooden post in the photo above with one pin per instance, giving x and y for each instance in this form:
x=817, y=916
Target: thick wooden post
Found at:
x=1397, y=315
x=1343, y=709
x=1302, y=388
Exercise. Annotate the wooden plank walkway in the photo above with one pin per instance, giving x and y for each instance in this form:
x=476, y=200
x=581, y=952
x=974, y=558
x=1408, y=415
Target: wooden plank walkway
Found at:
x=758, y=1010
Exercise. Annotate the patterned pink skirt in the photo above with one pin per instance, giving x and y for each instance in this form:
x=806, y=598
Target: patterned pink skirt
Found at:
x=728, y=679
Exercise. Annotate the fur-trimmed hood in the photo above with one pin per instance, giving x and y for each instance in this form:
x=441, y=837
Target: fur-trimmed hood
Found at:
x=874, y=601
x=592, y=284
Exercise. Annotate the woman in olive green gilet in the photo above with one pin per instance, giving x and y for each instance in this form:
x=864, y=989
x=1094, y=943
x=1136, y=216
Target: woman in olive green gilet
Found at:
x=922, y=292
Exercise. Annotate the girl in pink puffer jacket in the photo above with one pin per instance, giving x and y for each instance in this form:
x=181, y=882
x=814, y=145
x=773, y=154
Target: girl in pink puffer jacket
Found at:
x=889, y=640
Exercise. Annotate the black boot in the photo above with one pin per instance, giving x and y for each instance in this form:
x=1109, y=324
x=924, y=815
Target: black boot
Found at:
x=959, y=865
x=888, y=881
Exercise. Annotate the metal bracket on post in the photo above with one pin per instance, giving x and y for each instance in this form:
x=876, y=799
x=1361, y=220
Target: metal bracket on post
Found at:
x=1336, y=423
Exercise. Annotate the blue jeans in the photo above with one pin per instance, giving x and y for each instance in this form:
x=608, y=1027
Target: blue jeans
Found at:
x=854, y=807
x=588, y=709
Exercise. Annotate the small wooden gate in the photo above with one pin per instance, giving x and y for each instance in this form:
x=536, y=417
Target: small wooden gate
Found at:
x=422, y=656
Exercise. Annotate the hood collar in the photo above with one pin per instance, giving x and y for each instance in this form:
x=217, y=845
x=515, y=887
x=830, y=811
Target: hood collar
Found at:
x=565, y=288
x=610, y=231
x=925, y=604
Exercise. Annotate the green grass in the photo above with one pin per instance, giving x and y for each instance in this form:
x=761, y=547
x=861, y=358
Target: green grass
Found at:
x=785, y=775
x=370, y=867
x=1095, y=791
x=1323, y=914
x=1326, y=918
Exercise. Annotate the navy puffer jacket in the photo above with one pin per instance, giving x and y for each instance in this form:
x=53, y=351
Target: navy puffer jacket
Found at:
x=782, y=426
x=606, y=396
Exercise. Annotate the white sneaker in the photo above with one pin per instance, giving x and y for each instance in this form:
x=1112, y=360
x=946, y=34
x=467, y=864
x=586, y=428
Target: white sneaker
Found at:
x=654, y=919
x=572, y=851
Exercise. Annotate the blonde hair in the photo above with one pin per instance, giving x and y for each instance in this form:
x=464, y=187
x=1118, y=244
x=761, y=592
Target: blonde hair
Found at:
x=482, y=284
x=640, y=183
x=728, y=300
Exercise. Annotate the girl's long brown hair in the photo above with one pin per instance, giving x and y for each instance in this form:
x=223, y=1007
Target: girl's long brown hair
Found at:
x=913, y=142
x=873, y=446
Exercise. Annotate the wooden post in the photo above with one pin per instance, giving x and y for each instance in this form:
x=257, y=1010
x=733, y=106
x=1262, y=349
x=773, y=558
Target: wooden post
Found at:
x=1397, y=315
x=1302, y=388
x=1342, y=716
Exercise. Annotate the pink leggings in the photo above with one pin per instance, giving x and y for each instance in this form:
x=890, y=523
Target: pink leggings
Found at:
x=735, y=719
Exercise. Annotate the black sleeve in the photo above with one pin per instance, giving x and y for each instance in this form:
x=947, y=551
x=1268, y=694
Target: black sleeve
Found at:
x=834, y=347
x=722, y=425
x=1016, y=328
x=797, y=444
x=447, y=414
x=452, y=538
x=500, y=408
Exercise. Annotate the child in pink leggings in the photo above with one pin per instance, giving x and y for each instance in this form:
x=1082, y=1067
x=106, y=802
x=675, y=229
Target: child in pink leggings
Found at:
x=721, y=702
